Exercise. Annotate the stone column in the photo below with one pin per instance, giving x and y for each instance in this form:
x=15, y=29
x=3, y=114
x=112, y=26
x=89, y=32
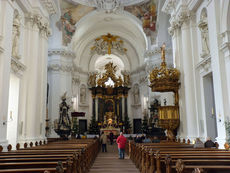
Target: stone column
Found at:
x=225, y=49
x=175, y=32
x=126, y=106
x=219, y=72
x=6, y=20
x=60, y=70
x=30, y=78
x=96, y=108
x=123, y=107
x=42, y=78
x=188, y=77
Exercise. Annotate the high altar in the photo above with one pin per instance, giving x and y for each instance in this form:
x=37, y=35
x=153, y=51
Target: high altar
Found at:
x=109, y=101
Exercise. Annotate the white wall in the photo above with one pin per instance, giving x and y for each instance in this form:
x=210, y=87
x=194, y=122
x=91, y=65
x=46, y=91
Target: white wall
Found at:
x=12, y=119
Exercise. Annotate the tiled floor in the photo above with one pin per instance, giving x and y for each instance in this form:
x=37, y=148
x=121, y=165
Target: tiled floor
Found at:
x=109, y=163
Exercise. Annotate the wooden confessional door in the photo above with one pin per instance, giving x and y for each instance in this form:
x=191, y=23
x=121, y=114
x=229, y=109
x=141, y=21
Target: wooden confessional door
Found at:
x=82, y=126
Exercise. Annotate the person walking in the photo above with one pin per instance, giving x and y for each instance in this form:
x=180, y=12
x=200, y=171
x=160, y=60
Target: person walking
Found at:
x=121, y=141
x=103, y=140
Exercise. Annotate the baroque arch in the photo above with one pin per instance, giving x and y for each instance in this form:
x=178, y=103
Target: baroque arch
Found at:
x=225, y=22
x=122, y=24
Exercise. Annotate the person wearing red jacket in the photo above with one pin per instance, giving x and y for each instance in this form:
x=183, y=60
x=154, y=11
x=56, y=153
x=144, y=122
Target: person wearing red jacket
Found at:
x=121, y=141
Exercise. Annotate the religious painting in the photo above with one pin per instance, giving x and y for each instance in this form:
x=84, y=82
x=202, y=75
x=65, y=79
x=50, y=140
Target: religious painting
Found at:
x=109, y=106
x=70, y=16
x=68, y=27
x=147, y=13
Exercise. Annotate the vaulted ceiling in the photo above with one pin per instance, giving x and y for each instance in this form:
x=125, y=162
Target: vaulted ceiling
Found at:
x=101, y=19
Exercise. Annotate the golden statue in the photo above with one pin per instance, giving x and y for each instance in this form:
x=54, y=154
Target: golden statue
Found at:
x=163, y=53
x=110, y=73
x=92, y=79
x=105, y=43
x=126, y=78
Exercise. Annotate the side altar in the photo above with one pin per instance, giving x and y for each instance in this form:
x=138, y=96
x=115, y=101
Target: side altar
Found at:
x=109, y=93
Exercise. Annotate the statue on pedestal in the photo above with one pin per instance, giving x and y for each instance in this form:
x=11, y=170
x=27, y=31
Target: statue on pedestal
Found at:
x=63, y=125
x=16, y=35
x=136, y=94
x=83, y=94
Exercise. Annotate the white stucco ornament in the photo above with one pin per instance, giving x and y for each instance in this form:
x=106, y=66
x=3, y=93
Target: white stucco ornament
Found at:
x=107, y=5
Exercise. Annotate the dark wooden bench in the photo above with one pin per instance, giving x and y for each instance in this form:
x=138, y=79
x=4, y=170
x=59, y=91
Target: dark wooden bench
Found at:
x=75, y=156
x=163, y=157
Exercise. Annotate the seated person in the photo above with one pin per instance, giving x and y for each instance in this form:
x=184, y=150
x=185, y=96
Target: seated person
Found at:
x=138, y=139
x=198, y=143
x=142, y=137
x=130, y=138
x=78, y=136
x=156, y=140
x=147, y=140
x=209, y=143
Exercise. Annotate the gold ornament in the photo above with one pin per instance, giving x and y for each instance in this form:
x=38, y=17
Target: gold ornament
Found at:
x=105, y=43
x=164, y=79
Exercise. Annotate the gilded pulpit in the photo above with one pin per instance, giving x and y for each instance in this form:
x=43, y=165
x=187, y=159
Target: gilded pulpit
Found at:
x=109, y=92
x=164, y=79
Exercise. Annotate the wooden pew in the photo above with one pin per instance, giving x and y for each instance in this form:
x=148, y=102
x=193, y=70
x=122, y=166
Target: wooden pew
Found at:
x=80, y=157
x=154, y=157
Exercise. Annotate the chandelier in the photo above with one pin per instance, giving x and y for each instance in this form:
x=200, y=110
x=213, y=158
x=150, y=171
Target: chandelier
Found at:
x=106, y=43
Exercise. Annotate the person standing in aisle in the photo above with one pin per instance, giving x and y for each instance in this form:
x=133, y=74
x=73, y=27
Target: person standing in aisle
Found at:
x=103, y=140
x=121, y=142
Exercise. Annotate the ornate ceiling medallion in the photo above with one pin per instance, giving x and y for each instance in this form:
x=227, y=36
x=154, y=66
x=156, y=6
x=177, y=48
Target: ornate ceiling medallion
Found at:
x=106, y=43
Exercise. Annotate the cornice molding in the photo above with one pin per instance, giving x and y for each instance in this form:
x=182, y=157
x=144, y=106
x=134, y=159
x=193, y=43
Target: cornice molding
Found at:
x=176, y=21
x=62, y=52
x=205, y=64
x=225, y=39
x=156, y=51
x=17, y=67
x=94, y=3
x=169, y=6
x=225, y=47
x=50, y=6
x=60, y=68
x=69, y=68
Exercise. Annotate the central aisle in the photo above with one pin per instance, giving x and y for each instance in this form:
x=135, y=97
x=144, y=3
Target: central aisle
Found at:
x=109, y=162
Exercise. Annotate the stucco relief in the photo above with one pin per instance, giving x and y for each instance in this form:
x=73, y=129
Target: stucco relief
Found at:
x=136, y=94
x=16, y=35
x=203, y=26
x=17, y=67
x=83, y=94
x=60, y=68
